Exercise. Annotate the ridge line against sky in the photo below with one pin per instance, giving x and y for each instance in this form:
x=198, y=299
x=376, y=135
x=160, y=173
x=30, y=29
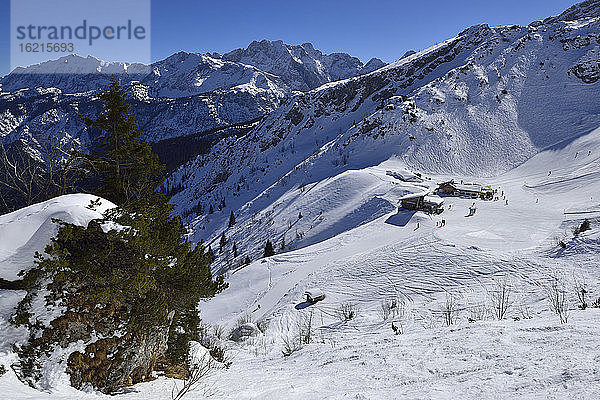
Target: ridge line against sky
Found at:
x=382, y=29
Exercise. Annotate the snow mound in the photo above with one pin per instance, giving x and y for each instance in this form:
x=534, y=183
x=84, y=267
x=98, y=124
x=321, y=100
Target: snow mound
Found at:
x=28, y=230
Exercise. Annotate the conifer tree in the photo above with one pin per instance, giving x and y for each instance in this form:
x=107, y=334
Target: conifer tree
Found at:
x=222, y=242
x=235, y=251
x=145, y=276
x=247, y=260
x=123, y=167
x=269, y=251
x=231, y=219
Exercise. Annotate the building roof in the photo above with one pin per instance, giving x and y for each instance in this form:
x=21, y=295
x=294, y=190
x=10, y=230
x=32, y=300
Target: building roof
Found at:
x=468, y=187
x=414, y=196
x=314, y=293
x=435, y=200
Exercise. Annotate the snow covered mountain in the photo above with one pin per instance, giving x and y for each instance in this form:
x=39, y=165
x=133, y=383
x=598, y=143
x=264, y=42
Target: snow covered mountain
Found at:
x=271, y=65
x=184, y=94
x=301, y=67
x=478, y=104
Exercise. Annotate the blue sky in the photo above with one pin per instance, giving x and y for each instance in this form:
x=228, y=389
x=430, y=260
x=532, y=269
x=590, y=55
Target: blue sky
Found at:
x=365, y=29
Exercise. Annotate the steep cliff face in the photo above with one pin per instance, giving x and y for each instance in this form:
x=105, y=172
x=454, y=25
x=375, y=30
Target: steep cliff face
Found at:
x=301, y=67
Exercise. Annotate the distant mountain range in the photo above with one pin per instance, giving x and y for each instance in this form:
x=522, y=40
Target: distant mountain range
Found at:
x=184, y=94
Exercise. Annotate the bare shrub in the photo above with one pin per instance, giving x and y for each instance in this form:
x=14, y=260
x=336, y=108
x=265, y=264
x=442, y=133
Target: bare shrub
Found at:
x=262, y=325
x=260, y=345
x=398, y=327
x=242, y=319
x=450, y=310
x=385, y=310
x=219, y=332
x=305, y=329
x=557, y=296
x=198, y=371
x=477, y=313
x=501, y=297
x=218, y=352
x=347, y=311
x=291, y=344
x=303, y=334
x=581, y=289
x=525, y=312
x=394, y=307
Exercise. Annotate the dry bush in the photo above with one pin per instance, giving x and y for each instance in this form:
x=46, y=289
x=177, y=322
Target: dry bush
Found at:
x=450, y=310
x=198, y=371
x=398, y=327
x=242, y=319
x=347, y=311
x=219, y=332
x=303, y=334
x=291, y=344
x=581, y=289
x=501, y=297
x=557, y=296
x=394, y=307
x=262, y=325
x=477, y=312
x=305, y=329
x=525, y=312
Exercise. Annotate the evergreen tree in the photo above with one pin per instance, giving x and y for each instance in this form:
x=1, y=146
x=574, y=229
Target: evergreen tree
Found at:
x=235, y=251
x=283, y=243
x=122, y=167
x=143, y=276
x=210, y=209
x=269, y=251
x=222, y=242
x=231, y=219
x=247, y=260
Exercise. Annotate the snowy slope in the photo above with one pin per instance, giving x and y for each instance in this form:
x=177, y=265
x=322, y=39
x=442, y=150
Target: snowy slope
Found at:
x=390, y=257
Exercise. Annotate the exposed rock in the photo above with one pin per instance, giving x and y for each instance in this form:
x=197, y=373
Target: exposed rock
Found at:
x=243, y=332
x=110, y=363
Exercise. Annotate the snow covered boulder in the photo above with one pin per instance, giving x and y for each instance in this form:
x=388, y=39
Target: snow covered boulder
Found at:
x=244, y=331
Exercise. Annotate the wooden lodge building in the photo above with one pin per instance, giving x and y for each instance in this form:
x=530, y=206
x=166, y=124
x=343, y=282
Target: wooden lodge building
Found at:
x=422, y=202
x=474, y=191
